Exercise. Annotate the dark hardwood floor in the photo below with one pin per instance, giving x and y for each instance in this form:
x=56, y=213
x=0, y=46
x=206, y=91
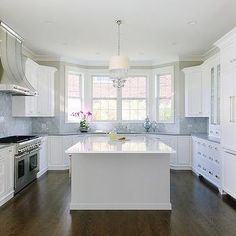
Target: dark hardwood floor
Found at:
x=43, y=209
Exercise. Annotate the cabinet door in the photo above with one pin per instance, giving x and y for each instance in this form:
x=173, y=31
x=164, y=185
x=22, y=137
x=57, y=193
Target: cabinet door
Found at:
x=43, y=157
x=31, y=74
x=6, y=171
x=228, y=124
x=67, y=143
x=2, y=175
x=172, y=142
x=184, y=154
x=45, y=86
x=193, y=92
x=229, y=173
x=194, y=153
x=206, y=92
x=55, y=149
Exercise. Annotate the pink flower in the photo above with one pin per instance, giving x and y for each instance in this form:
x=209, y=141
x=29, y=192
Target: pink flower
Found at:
x=82, y=115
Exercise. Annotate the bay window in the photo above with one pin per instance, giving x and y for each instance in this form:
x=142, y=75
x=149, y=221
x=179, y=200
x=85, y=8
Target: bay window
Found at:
x=112, y=104
x=134, y=94
x=165, y=95
x=139, y=97
x=104, y=101
x=73, y=93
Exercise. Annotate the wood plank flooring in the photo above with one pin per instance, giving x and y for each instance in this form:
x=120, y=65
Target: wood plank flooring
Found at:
x=43, y=209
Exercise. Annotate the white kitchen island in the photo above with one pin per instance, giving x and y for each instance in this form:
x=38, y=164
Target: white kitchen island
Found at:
x=134, y=174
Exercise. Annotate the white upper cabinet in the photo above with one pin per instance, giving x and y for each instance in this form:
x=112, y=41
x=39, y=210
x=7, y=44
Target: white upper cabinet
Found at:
x=197, y=93
x=227, y=46
x=211, y=70
x=42, y=79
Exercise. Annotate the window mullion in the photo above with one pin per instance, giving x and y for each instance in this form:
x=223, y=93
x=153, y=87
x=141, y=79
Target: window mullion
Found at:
x=119, y=105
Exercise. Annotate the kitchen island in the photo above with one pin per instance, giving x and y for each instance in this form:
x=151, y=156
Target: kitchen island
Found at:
x=118, y=175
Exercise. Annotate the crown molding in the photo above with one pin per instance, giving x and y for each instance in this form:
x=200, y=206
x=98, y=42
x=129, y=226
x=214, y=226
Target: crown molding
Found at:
x=191, y=58
x=28, y=52
x=211, y=52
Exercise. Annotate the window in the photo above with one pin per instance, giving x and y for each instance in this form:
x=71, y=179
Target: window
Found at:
x=73, y=91
x=134, y=99
x=112, y=104
x=165, y=96
x=104, y=99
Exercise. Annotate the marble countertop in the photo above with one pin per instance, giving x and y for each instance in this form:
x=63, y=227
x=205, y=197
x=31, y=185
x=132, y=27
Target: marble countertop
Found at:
x=127, y=133
x=134, y=144
x=207, y=137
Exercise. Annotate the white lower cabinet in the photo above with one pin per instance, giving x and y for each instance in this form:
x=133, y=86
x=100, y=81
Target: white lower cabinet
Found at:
x=57, y=145
x=43, y=157
x=229, y=172
x=59, y=160
x=207, y=160
x=181, y=160
x=6, y=174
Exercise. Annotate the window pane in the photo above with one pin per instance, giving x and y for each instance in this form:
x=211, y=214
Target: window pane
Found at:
x=165, y=110
x=73, y=84
x=134, y=109
x=74, y=105
x=135, y=87
x=165, y=86
x=103, y=87
x=104, y=109
x=73, y=94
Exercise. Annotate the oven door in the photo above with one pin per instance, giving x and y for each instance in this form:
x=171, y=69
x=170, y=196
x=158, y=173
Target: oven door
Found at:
x=21, y=171
x=33, y=164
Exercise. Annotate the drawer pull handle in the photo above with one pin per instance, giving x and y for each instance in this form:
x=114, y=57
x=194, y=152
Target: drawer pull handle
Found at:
x=233, y=60
x=217, y=176
x=210, y=173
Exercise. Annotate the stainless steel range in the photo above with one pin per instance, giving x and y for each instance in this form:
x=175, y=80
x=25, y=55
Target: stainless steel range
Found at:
x=26, y=159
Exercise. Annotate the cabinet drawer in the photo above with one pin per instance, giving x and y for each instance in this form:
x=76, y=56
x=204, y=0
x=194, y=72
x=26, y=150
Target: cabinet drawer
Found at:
x=214, y=174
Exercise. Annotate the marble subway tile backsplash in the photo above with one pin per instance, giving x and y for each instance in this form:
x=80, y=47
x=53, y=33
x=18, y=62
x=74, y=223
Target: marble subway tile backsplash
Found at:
x=10, y=125
x=181, y=125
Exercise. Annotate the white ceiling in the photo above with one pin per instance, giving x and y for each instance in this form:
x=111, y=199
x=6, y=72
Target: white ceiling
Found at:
x=151, y=30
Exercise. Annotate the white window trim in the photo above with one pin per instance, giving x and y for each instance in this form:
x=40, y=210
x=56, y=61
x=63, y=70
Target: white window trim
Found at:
x=82, y=74
x=163, y=71
x=133, y=73
x=137, y=74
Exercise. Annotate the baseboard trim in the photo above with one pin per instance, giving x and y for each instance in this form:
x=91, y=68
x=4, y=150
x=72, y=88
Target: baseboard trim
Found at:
x=173, y=167
x=121, y=206
x=62, y=167
x=6, y=198
x=42, y=172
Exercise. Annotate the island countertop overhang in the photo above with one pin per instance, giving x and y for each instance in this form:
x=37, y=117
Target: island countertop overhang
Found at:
x=135, y=144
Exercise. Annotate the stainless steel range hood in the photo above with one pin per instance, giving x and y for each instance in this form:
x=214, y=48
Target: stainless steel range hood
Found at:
x=13, y=79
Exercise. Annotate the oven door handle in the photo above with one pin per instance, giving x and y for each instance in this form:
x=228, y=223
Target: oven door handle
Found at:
x=20, y=156
x=35, y=150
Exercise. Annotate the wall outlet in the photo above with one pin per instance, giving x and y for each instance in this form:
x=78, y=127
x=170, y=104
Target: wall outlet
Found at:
x=44, y=126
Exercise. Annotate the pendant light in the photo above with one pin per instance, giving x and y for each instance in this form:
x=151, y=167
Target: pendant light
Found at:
x=119, y=65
